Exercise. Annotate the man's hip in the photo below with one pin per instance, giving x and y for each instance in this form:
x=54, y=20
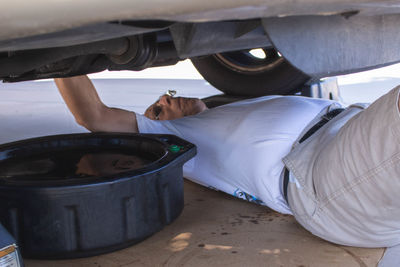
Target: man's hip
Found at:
x=346, y=177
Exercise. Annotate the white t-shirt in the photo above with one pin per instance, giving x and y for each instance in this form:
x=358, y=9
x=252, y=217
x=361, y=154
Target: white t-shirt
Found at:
x=241, y=145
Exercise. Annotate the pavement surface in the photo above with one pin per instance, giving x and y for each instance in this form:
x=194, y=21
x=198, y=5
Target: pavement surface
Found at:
x=214, y=229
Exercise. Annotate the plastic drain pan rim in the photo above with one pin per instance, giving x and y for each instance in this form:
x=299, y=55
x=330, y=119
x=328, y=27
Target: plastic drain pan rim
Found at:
x=56, y=220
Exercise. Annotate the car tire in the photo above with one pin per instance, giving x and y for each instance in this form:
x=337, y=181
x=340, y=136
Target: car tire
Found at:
x=219, y=100
x=242, y=74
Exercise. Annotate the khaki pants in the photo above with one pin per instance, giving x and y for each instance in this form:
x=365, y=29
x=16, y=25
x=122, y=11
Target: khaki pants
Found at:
x=347, y=186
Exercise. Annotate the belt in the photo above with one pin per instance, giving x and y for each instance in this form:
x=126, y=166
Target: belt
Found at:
x=327, y=117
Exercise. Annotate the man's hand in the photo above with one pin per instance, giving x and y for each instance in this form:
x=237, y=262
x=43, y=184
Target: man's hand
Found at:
x=89, y=111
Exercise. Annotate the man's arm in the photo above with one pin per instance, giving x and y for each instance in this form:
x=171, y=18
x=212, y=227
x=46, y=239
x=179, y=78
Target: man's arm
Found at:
x=89, y=111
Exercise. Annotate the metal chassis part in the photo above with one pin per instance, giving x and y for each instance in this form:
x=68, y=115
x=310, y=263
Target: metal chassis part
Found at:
x=320, y=46
x=135, y=46
x=324, y=46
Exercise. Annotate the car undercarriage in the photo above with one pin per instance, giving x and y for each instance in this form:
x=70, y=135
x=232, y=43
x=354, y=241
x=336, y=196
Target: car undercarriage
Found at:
x=300, y=41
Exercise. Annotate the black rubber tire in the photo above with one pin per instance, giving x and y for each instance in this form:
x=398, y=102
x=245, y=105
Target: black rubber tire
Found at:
x=281, y=78
x=219, y=100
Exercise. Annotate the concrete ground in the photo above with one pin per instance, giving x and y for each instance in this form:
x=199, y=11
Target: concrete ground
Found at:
x=214, y=229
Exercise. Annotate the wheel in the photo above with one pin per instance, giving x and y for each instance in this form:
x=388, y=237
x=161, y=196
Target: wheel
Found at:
x=242, y=73
x=219, y=100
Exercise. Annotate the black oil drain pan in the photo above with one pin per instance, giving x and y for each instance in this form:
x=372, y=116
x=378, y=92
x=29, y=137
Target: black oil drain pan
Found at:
x=79, y=195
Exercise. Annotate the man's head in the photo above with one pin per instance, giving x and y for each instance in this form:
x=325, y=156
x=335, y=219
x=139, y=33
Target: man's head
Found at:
x=169, y=108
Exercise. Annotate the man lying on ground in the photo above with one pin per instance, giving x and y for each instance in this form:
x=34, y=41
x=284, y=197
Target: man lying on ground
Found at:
x=340, y=179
